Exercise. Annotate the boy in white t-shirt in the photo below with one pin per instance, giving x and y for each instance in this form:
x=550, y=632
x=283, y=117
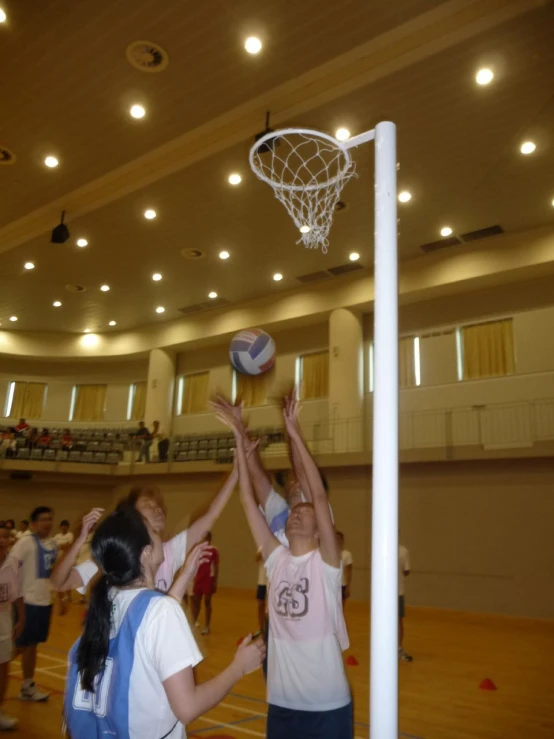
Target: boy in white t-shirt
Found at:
x=9, y=594
x=403, y=572
x=347, y=562
x=307, y=689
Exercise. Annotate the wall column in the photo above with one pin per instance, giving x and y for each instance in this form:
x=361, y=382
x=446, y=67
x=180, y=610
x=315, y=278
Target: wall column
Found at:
x=160, y=389
x=346, y=394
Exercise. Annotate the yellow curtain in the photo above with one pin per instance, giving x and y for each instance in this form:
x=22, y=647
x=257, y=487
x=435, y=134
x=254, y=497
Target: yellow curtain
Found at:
x=406, y=362
x=195, y=393
x=90, y=401
x=139, y=402
x=488, y=349
x=252, y=389
x=315, y=375
x=28, y=400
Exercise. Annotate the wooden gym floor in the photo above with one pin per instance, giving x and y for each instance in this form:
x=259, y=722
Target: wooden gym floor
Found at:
x=439, y=691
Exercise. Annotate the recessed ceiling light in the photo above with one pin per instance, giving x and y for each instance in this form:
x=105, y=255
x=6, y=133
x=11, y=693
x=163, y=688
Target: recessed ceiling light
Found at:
x=82, y=243
x=212, y=295
x=86, y=331
x=354, y=256
x=160, y=309
x=305, y=229
x=446, y=231
x=137, y=111
x=253, y=45
x=342, y=134
x=404, y=196
x=29, y=265
x=112, y=323
x=13, y=319
x=484, y=76
x=528, y=147
x=104, y=288
x=150, y=214
x=156, y=277
x=224, y=255
x=277, y=277
x=3, y=16
x=235, y=179
x=57, y=304
x=552, y=202
x=51, y=162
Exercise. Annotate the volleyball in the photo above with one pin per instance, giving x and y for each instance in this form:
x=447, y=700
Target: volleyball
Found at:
x=252, y=352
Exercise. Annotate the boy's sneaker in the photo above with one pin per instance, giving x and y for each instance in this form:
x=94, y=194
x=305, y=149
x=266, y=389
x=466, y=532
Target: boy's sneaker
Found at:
x=30, y=693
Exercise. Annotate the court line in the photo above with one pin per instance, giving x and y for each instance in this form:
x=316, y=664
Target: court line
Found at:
x=220, y=725
x=43, y=670
x=231, y=723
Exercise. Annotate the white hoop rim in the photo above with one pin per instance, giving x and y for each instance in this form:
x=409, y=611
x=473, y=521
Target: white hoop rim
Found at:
x=310, y=132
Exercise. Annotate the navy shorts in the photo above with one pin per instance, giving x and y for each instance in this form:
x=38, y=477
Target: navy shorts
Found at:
x=37, y=625
x=261, y=592
x=285, y=723
x=400, y=606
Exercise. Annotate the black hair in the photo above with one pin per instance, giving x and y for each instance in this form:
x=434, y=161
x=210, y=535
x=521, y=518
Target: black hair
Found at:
x=9, y=520
x=281, y=479
x=24, y=520
x=144, y=492
x=35, y=515
x=117, y=546
x=65, y=522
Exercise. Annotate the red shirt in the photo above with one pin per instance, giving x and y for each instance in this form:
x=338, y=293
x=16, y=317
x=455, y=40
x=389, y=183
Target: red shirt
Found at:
x=207, y=570
x=22, y=427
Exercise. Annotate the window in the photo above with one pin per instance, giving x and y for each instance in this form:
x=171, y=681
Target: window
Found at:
x=313, y=375
x=486, y=350
x=192, y=393
x=136, y=405
x=25, y=399
x=251, y=389
x=409, y=363
x=88, y=403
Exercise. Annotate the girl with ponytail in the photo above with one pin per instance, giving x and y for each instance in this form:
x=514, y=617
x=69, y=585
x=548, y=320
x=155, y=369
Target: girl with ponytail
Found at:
x=131, y=672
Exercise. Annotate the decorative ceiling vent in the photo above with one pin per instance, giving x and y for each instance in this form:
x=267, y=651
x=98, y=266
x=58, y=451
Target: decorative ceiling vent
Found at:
x=314, y=277
x=482, y=233
x=147, y=56
x=215, y=303
x=188, y=310
x=326, y=274
x=192, y=253
x=6, y=156
x=344, y=269
x=76, y=288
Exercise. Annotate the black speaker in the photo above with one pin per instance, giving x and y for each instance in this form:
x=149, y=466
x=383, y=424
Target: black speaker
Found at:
x=60, y=234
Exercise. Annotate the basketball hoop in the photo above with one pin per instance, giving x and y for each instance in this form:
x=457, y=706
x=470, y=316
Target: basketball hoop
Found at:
x=307, y=170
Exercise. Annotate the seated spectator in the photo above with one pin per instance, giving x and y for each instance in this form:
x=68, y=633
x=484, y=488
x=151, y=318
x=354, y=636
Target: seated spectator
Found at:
x=32, y=438
x=8, y=445
x=22, y=426
x=67, y=440
x=45, y=439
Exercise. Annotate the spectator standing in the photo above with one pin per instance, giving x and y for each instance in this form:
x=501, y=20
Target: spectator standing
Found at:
x=145, y=437
x=161, y=439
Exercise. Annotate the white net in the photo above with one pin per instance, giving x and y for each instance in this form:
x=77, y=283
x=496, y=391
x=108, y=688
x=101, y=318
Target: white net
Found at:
x=307, y=171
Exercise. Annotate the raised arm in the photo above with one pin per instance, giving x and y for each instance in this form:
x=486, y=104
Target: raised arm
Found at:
x=64, y=577
x=204, y=523
x=328, y=544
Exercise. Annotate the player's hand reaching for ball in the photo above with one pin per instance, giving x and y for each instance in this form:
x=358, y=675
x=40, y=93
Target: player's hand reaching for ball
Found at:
x=89, y=522
x=250, y=655
x=196, y=557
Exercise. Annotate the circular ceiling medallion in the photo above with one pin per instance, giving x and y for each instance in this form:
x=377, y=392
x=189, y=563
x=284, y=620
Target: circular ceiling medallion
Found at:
x=76, y=288
x=192, y=253
x=6, y=156
x=147, y=56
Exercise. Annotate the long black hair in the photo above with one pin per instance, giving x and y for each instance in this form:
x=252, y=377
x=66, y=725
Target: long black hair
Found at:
x=117, y=546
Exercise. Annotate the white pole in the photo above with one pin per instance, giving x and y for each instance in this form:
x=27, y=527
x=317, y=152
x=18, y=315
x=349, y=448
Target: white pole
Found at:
x=384, y=556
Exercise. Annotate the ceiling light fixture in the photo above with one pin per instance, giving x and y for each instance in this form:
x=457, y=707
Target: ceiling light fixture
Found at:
x=57, y=304
x=51, y=162
x=156, y=277
x=13, y=319
x=354, y=256
x=86, y=331
x=404, y=196
x=342, y=134
x=235, y=179
x=277, y=277
x=137, y=111
x=484, y=76
x=224, y=255
x=104, y=288
x=82, y=243
x=112, y=323
x=253, y=45
x=446, y=231
x=3, y=16
x=305, y=229
x=212, y=295
x=160, y=309
x=528, y=147
x=29, y=265
x=150, y=214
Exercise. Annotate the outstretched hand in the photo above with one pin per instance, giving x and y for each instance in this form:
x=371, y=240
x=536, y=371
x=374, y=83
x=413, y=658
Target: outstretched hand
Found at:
x=291, y=409
x=196, y=557
x=229, y=414
x=89, y=522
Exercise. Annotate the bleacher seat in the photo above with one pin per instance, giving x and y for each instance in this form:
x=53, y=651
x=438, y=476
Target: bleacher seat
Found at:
x=62, y=455
x=87, y=457
x=203, y=445
x=182, y=457
x=55, y=444
x=105, y=446
x=100, y=457
x=92, y=446
x=49, y=455
x=112, y=458
x=212, y=453
x=119, y=448
x=193, y=445
x=202, y=454
x=36, y=454
x=212, y=444
x=192, y=455
x=22, y=454
x=74, y=456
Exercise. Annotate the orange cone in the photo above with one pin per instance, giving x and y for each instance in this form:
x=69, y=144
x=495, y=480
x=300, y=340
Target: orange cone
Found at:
x=487, y=684
x=351, y=661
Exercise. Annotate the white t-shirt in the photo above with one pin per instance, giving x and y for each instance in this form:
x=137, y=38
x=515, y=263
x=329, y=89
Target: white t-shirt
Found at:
x=346, y=558
x=63, y=540
x=175, y=551
x=306, y=633
x=36, y=567
x=9, y=592
x=164, y=645
x=403, y=566
x=19, y=534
